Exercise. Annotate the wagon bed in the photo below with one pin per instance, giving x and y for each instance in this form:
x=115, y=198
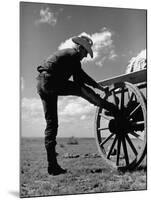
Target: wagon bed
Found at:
x=133, y=77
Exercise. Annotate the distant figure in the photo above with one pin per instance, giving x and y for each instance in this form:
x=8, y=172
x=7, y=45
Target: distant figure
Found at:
x=53, y=80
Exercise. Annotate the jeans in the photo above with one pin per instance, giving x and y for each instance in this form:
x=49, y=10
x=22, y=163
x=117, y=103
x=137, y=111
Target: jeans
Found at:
x=49, y=90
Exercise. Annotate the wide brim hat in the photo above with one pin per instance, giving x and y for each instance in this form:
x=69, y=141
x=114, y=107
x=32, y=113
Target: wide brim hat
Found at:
x=84, y=41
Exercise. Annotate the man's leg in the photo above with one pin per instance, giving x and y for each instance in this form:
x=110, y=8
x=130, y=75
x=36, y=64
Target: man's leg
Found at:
x=49, y=101
x=51, y=117
x=94, y=98
x=72, y=88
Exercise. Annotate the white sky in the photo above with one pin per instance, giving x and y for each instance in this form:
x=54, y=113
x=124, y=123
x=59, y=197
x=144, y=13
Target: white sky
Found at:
x=48, y=27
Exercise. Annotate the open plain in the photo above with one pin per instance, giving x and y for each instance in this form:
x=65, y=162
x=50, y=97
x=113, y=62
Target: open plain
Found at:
x=87, y=171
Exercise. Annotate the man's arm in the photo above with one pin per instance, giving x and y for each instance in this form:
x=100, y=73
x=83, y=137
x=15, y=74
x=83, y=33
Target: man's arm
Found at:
x=89, y=81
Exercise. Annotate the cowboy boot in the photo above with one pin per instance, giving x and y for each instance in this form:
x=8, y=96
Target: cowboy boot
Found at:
x=53, y=166
x=111, y=109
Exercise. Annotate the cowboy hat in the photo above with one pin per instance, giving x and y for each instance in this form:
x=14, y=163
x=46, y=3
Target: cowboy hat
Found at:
x=85, y=42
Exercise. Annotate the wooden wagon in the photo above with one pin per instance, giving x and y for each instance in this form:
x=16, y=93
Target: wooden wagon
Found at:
x=122, y=140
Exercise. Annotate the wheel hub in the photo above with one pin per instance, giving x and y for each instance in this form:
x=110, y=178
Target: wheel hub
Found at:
x=119, y=126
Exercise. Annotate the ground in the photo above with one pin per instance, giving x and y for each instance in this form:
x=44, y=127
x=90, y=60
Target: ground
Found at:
x=87, y=171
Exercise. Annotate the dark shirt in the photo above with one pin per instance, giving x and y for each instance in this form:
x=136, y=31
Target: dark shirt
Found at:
x=66, y=63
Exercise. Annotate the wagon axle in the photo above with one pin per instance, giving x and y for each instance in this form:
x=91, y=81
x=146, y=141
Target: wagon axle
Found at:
x=124, y=126
x=119, y=126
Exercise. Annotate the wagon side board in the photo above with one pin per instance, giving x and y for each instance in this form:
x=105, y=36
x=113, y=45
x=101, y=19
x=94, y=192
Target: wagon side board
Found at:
x=134, y=77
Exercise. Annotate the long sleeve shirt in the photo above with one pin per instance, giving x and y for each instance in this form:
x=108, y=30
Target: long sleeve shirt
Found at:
x=66, y=63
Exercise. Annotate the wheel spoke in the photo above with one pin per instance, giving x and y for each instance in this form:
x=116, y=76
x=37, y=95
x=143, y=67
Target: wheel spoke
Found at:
x=103, y=129
x=122, y=99
x=112, y=146
x=118, y=150
x=125, y=151
x=131, y=97
x=138, y=126
x=137, y=136
x=115, y=98
x=131, y=145
x=106, y=117
x=138, y=123
x=134, y=111
x=106, y=139
x=134, y=134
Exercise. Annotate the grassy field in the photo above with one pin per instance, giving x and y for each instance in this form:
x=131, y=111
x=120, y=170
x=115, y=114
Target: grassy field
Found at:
x=87, y=171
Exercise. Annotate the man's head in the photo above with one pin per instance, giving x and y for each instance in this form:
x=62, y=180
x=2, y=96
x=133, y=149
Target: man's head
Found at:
x=85, y=44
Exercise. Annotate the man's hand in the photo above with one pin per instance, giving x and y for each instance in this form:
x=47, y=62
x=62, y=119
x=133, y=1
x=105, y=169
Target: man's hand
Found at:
x=104, y=89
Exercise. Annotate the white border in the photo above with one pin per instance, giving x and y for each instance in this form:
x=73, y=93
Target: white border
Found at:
x=9, y=99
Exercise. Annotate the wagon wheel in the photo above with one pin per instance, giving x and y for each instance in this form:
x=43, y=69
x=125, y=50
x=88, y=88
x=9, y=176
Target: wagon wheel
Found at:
x=121, y=139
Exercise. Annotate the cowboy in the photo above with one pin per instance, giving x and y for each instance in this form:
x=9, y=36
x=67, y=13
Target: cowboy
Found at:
x=53, y=81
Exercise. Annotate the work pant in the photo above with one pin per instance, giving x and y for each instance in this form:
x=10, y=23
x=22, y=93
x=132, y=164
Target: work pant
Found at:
x=49, y=91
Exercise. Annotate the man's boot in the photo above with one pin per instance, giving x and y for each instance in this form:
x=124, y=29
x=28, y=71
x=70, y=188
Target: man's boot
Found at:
x=55, y=170
x=53, y=166
x=111, y=109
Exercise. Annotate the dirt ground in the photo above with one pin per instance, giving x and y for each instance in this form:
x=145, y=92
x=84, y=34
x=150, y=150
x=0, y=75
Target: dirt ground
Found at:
x=87, y=171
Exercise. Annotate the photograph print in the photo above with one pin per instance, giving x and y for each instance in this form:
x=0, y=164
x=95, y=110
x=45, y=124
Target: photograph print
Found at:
x=83, y=93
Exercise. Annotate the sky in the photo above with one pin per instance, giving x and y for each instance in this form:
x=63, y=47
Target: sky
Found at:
x=118, y=35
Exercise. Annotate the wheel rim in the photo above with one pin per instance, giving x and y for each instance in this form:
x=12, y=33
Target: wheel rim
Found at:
x=122, y=140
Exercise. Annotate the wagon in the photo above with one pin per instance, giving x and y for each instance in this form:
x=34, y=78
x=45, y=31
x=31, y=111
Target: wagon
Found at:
x=122, y=139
